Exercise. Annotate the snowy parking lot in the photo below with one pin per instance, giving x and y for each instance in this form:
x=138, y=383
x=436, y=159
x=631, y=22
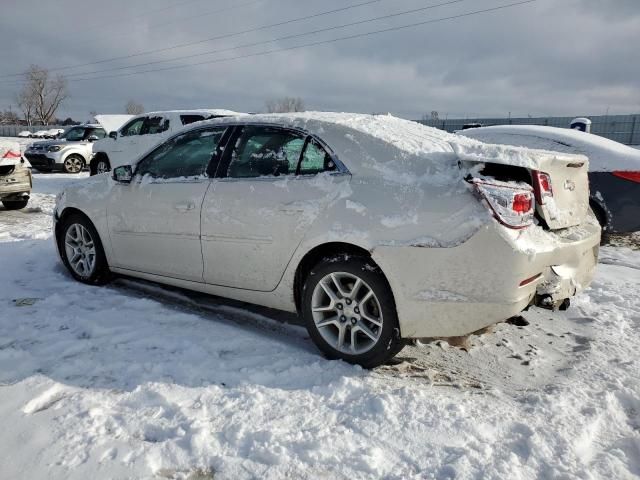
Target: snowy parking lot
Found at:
x=134, y=380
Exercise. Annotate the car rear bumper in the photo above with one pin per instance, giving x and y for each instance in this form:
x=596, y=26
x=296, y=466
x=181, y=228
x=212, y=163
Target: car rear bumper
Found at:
x=446, y=292
x=15, y=184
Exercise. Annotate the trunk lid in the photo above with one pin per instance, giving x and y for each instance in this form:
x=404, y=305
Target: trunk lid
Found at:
x=565, y=175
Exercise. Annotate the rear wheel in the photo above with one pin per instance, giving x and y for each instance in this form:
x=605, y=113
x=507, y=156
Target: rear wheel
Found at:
x=350, y=313
x=15, y=204
x=81, y=250
x=73, y=164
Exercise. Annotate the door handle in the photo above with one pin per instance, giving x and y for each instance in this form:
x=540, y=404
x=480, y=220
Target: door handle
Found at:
x=184, y=207
x=292, y=208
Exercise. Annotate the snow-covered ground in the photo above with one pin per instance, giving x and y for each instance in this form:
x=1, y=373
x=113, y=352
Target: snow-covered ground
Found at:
x=138, y=381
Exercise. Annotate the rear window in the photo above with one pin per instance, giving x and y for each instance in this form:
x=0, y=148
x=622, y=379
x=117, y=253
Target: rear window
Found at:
x=187, y=119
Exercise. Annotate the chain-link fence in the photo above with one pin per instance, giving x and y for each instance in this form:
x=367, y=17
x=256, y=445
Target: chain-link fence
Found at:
x=14, y=130
x=621, y=128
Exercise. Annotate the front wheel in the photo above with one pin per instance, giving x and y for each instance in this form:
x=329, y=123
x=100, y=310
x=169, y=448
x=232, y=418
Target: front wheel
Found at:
x=350, y=312
x=81, y=251
x=73, y=164
x=100, y=164
x=15, y=204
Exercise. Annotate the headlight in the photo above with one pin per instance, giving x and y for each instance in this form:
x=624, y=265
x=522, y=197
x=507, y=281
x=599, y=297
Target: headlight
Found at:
x=54, y=148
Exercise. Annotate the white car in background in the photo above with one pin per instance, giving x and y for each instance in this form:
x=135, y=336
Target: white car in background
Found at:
x=54, y=133
x=25, y=134
x=141, y=133
x=69, y=153
x=374, y=229
x=40, y=134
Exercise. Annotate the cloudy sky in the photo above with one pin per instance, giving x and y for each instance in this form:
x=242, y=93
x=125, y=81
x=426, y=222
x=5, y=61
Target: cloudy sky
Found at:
x=547, y=57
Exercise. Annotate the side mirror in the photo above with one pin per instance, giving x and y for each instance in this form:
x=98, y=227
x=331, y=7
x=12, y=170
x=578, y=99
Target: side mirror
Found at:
x=113, y=135
x=123, y=174
x=93, y=138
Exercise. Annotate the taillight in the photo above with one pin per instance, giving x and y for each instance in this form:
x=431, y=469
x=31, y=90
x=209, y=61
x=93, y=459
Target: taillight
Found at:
x=11, y=154
x=512, y=206
x=542, y=186
x=633, y=176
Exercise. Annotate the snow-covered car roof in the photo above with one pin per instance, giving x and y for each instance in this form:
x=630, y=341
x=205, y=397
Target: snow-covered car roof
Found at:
x=399, y=150
x=604, y=154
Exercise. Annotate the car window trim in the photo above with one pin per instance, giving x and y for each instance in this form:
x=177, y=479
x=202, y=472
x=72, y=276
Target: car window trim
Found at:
x=223, y=165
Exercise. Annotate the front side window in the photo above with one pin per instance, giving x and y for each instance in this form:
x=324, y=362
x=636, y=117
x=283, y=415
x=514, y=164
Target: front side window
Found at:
x=74, y=134
x=186, y=155
x=133, y=128
x=265, y=151
x=98, y=132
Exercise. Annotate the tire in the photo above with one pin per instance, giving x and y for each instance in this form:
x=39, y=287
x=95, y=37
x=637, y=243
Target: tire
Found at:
x=100, y=164
x=77, y=237
x=355, y=313
x=601, y=216
x=15, y=204
x=73, y=164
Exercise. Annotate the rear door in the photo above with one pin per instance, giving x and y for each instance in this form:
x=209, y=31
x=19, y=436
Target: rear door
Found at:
x=257, y=211
x=154, y=221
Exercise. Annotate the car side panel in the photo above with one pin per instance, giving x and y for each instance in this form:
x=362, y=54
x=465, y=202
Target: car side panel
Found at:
x=620, y=198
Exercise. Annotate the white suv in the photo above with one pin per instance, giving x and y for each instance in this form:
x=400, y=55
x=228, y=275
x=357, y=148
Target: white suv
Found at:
x=141, y=133
x=70, y=153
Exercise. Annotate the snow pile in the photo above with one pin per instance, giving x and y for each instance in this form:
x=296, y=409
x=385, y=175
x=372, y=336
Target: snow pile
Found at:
x=138, y=381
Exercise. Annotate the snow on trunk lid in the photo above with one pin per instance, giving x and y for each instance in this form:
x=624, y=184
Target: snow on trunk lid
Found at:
x=560, y=181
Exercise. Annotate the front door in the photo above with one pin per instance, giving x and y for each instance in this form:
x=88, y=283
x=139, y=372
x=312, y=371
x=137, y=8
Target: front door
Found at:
x=154, y=221
x=255, y=216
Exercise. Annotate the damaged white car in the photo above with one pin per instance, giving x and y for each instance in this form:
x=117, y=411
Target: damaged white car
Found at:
x=15, y=177
x=375, y=229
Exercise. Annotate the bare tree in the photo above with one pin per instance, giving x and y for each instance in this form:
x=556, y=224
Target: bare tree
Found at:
x=134, y=108
x=285, y=104
x=26, y=104
x=41, y=95
x=9, y=117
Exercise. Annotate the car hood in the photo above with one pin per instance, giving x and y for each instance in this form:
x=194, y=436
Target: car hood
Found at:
x=112, y=123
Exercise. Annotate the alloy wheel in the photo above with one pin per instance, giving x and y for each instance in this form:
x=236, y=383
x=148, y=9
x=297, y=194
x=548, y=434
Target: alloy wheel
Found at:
x=347, y=313
x=73, y=165
x=102, y=167
x=80, y=249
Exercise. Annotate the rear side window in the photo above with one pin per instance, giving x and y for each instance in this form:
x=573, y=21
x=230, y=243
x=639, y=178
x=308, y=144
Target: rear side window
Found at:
x=265, y=151
x=154, y=125
x=186, y=155
x=315, y=160
x=187, y=119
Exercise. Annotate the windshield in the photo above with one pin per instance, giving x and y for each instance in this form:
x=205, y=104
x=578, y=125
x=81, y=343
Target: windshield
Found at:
x=74, y=134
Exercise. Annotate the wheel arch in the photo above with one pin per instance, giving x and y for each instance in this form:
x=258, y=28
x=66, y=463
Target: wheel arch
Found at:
x=317, y=253
x=601, y=211
x=66, y=213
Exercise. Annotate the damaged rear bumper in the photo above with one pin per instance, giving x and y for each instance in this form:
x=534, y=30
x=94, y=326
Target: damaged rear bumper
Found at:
x=498, y=273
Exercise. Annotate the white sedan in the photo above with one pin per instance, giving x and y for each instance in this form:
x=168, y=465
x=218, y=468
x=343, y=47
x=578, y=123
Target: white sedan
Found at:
x=374, y=229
